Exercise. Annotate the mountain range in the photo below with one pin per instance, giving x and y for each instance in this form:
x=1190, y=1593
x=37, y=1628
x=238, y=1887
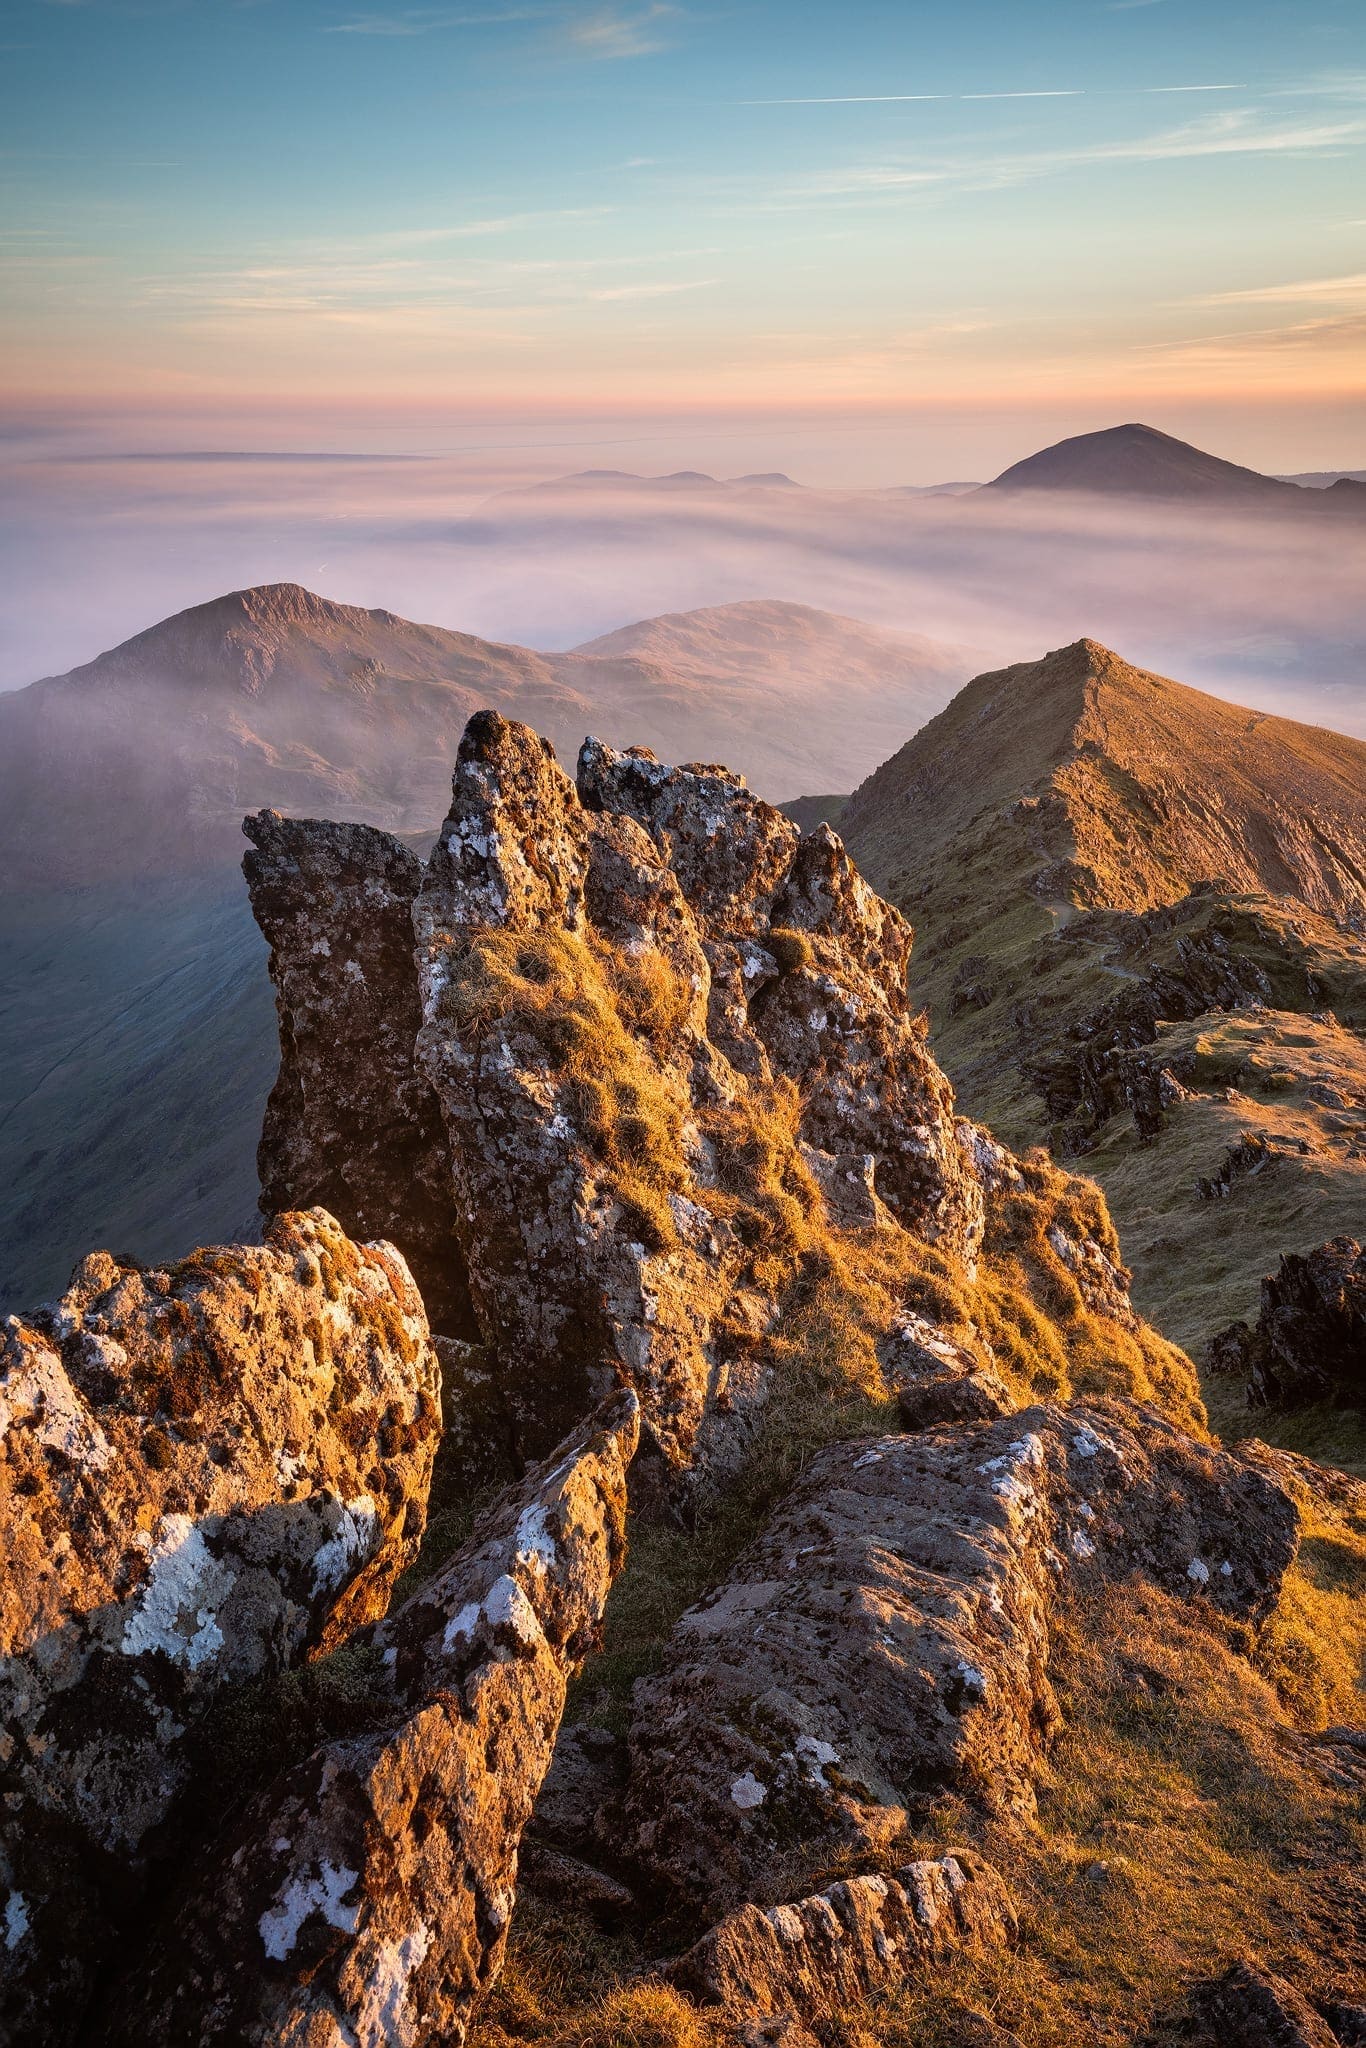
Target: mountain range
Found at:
x=144, y=760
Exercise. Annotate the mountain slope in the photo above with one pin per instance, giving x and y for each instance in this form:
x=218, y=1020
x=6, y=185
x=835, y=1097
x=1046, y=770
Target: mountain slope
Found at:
x=1120, y=788
x=1138, y=461
x=1141, y=936
x=145, y=760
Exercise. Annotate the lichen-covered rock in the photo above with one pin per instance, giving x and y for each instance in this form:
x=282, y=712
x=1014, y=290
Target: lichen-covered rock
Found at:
x=937, y=1377
x=204, y=1473
x=1309, y=1343
x=667, y=1037
x=886, y=1639
x=364, y=1897
x=352, y=1125
x=857, y=1937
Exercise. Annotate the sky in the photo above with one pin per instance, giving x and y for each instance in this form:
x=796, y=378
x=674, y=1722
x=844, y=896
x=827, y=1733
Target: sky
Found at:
x=868, y=242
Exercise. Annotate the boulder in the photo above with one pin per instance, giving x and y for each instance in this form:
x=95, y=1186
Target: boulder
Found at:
x=1249, y=2007
x=352, y=1124
x=938, y=1377
x=365, y=1896
x=857, y=1937
x=650, y=1043
x=206, y=1473
x=886, y=1639
x=1310, y=1340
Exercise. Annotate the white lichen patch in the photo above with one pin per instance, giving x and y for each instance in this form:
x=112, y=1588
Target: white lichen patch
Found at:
x=38, y=1393
x=747, y=1792
x=504, y=1606
x=16, y=1919
x=1198, y=1571
x=535, y=1546
x=177, y=1606
x=354, y=1542
x=385, y=2018
x=298, y=1900
x=1081, y=1544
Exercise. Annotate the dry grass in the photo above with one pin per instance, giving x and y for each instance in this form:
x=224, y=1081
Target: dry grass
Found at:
x=1181, y=1825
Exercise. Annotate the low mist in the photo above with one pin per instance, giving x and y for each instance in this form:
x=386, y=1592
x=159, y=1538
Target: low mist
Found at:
x=1266, y=609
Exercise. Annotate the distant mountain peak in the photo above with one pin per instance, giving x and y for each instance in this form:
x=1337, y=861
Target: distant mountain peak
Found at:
x=1138, y=461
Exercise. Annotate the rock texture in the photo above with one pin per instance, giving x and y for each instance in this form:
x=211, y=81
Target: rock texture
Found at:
x=667, y=1035
x=1309, y=1342
x=863, y=1935
x=886, y=1640
x=365, y=1896
x=351, y=1125
x=940, y=1378
x=205, y=1473
x=1250, y=2007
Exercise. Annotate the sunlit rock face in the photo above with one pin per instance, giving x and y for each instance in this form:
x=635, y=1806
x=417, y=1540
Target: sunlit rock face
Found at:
x=886, y=1640
x=668, y=1042
x=206, y=1472
x=366, y=1895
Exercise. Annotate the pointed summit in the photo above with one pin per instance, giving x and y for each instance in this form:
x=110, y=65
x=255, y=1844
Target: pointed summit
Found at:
x=1117, y=787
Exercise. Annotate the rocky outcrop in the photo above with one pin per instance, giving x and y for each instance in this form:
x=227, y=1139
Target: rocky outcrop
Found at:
x=860, y=1936
x=886, y=1640
x=1249, y=2007
x=937, y=1377
x=205, y=1473
x=670, y=1042
x=1309, y=1340
x=352, y=1126
x=365, y=1896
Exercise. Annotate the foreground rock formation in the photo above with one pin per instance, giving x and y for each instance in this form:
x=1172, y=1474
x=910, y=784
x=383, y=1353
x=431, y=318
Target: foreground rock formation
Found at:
x=365, y=1897
x=205, y=1473
x=667, y=1038
x=628, y=1072
x=830, y=1950
x=886, y=1641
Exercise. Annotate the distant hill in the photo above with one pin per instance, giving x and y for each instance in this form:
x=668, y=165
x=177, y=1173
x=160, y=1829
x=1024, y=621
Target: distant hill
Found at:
x=1141, y=937
x=144, y=760
x=137, y=1037
x=1139, y=462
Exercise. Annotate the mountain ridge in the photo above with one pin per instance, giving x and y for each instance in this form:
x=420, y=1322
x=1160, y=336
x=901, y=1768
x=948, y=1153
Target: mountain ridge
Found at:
x=1129, y=807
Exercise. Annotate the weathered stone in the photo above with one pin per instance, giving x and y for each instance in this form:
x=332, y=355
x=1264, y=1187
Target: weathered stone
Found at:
x=1310, y=1340
x=939, y=1378
x=1249, y=2007
x=365, y=1896
x=862, y=1935
x=587, y=1770
x=886, y=1640
x=352, y=1124
x=205, y=1473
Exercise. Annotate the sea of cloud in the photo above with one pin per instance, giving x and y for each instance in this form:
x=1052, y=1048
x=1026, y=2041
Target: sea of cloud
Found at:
x=1269, y=610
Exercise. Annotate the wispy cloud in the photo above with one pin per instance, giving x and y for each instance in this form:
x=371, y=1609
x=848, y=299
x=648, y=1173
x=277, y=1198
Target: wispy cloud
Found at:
x=652, y=291
x=424, y=21
x=1236, y=132
x=1336, y=332
x=1320, y=290
x=1052, y=92
x=612, y=32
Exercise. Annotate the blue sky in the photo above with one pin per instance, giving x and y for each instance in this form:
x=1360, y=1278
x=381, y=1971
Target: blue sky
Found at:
x=1148, y=208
